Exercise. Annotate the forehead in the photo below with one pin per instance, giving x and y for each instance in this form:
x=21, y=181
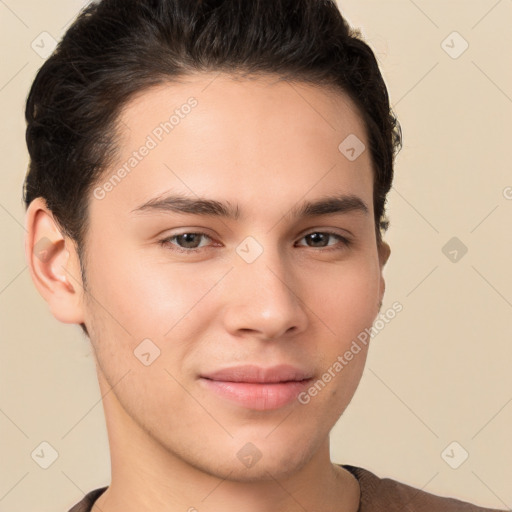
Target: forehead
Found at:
x=245, y=101
x=218, y=135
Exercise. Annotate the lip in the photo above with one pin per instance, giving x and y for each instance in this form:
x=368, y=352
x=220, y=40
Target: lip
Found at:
x=258, y=388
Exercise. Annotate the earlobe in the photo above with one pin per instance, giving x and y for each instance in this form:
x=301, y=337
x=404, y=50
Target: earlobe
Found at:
x=384, y=253
x=53, y=263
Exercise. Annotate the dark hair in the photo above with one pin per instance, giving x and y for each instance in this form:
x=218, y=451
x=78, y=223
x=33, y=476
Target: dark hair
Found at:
x=117, y=48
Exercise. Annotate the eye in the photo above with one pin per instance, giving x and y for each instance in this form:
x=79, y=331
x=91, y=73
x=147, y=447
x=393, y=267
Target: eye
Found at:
x=320, y=239
x=185, y=242
x=191, y=242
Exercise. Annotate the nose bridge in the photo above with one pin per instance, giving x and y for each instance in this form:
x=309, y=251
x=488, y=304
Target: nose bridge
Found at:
x=264, y=300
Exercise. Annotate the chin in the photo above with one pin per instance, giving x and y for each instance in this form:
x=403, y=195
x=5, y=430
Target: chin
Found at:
x=260, y=460
x=263, y=470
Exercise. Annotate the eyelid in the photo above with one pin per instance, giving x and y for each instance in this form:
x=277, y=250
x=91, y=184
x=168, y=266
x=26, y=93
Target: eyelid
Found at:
x=331, y=231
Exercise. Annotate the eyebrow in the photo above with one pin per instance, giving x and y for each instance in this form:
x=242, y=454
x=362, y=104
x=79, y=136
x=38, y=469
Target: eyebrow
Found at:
x=210, y=208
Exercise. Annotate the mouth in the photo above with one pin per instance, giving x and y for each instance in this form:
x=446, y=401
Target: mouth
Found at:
x=258, y=388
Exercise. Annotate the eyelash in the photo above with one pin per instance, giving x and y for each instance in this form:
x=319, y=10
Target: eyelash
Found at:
x=167, y=242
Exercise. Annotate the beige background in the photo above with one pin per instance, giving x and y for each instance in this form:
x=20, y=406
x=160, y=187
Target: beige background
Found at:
x=438, y=373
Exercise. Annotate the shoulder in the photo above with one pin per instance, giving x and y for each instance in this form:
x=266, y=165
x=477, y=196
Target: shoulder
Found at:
x=85, y=505
x=387, y=495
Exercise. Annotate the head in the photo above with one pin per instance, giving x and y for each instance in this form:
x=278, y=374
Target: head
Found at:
x=211, y=177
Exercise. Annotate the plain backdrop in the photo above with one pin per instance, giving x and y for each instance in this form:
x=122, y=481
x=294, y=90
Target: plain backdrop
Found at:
x=437, y=385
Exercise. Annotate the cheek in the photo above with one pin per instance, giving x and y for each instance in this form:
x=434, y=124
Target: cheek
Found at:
x=148, y=299
x=346, y=297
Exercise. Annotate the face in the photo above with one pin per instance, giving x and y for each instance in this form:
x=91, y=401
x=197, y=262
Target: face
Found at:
x=230, y=267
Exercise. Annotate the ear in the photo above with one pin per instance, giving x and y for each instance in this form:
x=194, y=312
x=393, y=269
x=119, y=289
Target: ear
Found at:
x=54, y=265
x=384, y=252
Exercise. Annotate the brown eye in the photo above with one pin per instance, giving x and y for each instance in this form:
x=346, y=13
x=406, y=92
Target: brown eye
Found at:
x=320, y=239
x=188, y=240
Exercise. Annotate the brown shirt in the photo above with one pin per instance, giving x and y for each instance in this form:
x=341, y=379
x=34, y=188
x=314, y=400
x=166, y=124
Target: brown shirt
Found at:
x=377, y=495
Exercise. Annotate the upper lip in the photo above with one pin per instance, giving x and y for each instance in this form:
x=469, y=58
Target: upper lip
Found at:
x=258, y=374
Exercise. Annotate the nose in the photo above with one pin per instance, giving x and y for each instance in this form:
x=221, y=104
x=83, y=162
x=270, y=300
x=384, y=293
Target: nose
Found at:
x=264, y=300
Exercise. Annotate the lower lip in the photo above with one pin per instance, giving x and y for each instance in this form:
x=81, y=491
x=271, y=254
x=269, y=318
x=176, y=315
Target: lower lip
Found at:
x=260, y=397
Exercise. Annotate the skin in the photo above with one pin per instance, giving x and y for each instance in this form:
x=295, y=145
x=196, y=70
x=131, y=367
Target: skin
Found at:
x=267, y=146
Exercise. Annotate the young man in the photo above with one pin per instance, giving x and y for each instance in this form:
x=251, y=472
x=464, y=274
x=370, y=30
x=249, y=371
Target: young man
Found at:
x=206, y=199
